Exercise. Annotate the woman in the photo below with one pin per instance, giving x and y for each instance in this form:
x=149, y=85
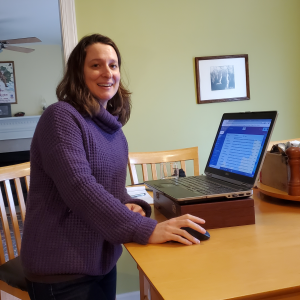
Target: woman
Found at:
x=78, y=210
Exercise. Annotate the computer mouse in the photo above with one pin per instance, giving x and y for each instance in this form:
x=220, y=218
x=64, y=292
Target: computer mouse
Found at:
x=197, y=234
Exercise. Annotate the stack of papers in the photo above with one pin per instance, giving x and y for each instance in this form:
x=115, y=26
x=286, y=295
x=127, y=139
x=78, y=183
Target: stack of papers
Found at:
x=139, y=192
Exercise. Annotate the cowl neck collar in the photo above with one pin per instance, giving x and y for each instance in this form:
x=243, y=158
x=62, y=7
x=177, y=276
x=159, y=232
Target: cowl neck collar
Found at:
x=107, y=121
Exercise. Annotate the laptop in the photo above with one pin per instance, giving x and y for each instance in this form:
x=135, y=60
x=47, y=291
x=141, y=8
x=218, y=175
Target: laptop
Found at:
x=234, y=162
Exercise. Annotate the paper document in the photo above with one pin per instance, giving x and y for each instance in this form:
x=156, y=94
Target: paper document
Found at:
x=139, y=192
x=294, y=143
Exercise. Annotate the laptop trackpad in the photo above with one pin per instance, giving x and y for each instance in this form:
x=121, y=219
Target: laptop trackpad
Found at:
x=165, y=183
x=177, y=191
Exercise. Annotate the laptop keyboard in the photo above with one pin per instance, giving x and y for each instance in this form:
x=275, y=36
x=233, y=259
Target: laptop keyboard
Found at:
x=203, y=185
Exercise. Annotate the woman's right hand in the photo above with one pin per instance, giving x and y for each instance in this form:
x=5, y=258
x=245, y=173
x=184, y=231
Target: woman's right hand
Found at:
x=170, y=230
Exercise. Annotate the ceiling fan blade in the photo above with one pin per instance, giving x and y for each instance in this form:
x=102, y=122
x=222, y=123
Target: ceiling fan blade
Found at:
x=18, y=49
x=22, y=40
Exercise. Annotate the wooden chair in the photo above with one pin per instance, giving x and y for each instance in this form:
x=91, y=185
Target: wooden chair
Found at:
x=161, y=157
x=12, y=279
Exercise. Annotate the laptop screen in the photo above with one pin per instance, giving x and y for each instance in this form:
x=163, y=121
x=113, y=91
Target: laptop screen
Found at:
x=239, y=145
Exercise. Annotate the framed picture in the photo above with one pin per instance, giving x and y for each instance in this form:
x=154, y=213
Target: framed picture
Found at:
x=222, y=78
x=5, y=110
x=8, y=92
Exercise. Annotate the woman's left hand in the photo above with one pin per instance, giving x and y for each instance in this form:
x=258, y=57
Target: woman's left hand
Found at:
x=135, y=208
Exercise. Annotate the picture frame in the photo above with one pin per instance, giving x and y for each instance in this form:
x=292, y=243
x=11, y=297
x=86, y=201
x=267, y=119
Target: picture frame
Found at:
x=8, y=91
x=5, y=110
x=222, y=78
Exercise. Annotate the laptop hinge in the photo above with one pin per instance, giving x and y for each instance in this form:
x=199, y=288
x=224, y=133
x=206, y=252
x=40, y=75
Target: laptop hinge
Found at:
x=240, y=183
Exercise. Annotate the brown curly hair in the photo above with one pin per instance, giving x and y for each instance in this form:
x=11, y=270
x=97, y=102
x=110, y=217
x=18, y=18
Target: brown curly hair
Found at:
x=72, y=88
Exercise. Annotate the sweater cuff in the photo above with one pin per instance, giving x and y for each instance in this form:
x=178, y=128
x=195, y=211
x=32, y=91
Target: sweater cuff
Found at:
x=145, y=229
x=143, y=204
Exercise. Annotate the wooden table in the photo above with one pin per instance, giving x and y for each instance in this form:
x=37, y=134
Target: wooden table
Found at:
x=260, y=261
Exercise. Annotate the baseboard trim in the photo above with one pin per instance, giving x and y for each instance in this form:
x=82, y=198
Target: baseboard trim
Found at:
x=129, y=296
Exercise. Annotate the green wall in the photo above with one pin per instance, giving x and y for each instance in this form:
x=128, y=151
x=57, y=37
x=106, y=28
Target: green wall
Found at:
x=37, y=75
x=159, y=39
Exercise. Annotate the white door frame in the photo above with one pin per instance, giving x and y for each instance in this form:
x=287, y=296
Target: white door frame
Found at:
x=68, y=26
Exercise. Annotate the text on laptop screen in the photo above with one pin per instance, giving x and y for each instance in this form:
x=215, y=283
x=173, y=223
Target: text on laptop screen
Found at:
x=239, y=145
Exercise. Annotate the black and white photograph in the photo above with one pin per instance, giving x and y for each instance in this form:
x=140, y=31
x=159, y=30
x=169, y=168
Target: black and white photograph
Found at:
x=222, y=78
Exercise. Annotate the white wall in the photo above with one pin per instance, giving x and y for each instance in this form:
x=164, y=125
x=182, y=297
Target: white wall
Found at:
x=37, y=75
x=159, y=40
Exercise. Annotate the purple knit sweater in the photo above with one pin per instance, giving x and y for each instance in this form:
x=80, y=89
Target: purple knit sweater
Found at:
x=76, y=218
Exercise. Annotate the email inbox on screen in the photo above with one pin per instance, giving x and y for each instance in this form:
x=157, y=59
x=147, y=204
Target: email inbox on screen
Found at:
x=239, y=146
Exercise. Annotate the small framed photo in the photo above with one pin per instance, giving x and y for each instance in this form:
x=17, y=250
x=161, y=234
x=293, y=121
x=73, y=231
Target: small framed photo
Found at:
x=5, y=110
x=8, y=92
x=222, y=78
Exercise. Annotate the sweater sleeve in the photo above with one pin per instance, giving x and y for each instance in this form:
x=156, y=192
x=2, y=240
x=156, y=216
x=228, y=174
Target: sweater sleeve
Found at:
x=143, y=204
x=62, y=147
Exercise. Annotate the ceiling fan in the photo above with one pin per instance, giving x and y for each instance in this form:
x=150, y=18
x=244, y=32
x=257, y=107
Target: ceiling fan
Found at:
x=6, y=44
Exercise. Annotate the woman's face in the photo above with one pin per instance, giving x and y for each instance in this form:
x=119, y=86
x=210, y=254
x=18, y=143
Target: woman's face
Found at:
x=101, y=72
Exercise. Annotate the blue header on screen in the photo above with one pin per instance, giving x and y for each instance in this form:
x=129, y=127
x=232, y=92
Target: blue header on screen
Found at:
x=239, y=146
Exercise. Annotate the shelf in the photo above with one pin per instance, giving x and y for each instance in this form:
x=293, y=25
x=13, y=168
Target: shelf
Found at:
x=267, y=190
x=18, y=127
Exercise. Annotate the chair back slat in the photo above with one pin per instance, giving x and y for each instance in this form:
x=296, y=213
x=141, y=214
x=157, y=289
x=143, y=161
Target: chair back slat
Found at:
x=13, y=215
x=145, y=172
x=154, y=172
x=27, y=181
x=20, y=198
x=161, y=157
x=2, y=254
x=183, y=166
x=5, y=226
x=133, y=173
x=196, y=167
x=165, y=169
x=171, y=168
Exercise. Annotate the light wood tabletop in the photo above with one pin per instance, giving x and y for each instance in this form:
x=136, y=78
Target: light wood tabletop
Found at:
x=259, y=261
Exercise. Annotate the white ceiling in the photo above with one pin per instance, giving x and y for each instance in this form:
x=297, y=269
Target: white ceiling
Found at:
x=30, y=18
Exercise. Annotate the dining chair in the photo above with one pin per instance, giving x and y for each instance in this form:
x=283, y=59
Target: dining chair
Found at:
x=12, y=279
x=163, y=158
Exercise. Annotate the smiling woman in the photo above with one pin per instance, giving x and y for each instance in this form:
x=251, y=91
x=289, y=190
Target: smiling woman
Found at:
x=93, y=77
x=78, y=171
x=101, y=72
x=77, y=193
